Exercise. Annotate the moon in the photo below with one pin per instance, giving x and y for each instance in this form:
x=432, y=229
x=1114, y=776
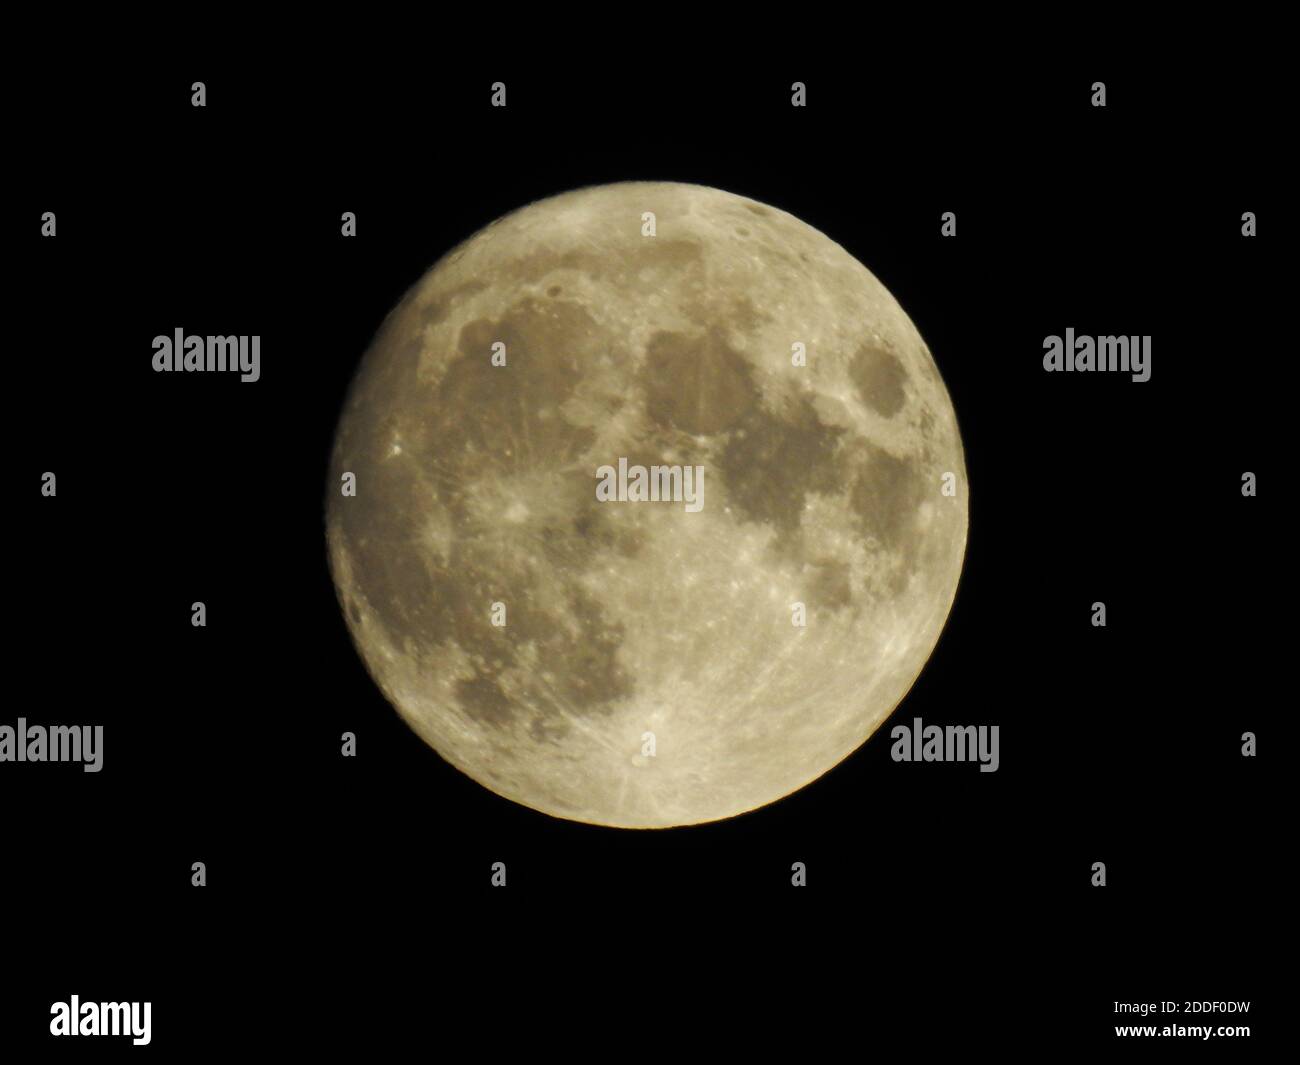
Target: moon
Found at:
x=630, y=662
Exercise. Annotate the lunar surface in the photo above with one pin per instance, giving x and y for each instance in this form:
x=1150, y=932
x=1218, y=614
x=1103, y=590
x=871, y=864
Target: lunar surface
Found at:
x=628, y=661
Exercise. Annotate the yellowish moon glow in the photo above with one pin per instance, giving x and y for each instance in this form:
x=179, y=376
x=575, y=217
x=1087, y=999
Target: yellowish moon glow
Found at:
x=643, y=663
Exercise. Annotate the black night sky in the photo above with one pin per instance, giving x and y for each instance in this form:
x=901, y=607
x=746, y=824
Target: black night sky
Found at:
x=330, y=878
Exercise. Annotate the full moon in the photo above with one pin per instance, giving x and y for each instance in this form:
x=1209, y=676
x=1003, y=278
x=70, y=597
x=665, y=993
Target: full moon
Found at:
x=671, y=654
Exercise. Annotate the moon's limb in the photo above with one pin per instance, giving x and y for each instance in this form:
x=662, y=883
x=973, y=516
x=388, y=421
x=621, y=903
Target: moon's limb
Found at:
x=476, y=485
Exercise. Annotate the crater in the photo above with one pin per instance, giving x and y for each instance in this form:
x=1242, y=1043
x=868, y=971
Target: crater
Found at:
x=509, y=415
x=879, y=378
x=670, y=252
x=828, y=585
x=377, y=531
x=481, y=696
x=440, y=306
x=698, y=384
x=886, y=494
x=537, y=264
x=770, y=464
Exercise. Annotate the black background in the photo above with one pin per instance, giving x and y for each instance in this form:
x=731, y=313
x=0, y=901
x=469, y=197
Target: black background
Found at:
x=350, y=897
